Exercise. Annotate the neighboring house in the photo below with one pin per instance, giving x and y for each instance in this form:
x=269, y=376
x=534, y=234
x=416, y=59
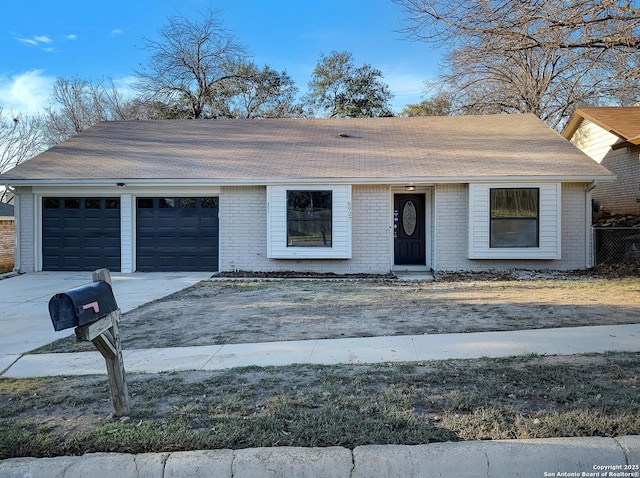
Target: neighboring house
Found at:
x=7, y=237
x=339, y=195
x=611, y=136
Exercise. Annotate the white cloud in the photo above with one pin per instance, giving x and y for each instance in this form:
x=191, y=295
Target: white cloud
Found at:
x=125, y=86
x=116, y=32
x=26, y=93
x=71, y=37
x=38, y=40
x=27, y=41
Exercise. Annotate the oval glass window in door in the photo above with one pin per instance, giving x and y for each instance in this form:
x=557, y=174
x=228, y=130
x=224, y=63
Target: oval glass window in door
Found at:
x=409, y=218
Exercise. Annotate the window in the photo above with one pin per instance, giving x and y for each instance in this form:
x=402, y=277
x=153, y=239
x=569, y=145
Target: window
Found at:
x=209, y=203
x=309, y=222
x=112, y=203
x=187, y=203
x=92, y=203
x=145, y=203
x=514, y=217
x=167, y=203
x=521, y=221
x=309, y=218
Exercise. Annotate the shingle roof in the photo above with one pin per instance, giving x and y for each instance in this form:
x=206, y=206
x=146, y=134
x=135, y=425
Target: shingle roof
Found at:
x=358, y=150
x=621, y=121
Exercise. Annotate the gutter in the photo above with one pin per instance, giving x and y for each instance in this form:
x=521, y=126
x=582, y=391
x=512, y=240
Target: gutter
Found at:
x=413, y=180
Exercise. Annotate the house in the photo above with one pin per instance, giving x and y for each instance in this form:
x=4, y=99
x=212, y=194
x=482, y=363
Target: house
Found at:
x=611, y=136
x=7, y=237
x=322, y=195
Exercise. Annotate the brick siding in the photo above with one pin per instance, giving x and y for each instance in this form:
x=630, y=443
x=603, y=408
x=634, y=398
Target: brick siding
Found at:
x=7, y=245
x=243, y=234
x=621, y=196
x=451, y=233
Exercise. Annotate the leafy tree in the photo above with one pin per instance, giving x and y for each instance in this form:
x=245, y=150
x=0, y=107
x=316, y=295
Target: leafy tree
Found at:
x=439, y=105
x=339, y=89
x=545, y=57
x=262, y=92
x=188, y=62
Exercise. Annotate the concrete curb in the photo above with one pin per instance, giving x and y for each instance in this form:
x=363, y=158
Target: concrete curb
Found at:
x=592, y=456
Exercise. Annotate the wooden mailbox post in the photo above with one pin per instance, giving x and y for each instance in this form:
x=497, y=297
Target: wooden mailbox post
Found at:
x=105, y=336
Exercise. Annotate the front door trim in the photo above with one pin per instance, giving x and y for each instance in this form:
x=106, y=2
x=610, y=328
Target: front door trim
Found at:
x=428, y=214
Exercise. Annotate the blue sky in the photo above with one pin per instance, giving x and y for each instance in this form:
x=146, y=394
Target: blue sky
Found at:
x=44, y=39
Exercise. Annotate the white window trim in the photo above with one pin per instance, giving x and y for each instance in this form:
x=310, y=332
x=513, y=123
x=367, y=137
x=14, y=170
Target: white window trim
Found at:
x=277, y=224
x=549, y=223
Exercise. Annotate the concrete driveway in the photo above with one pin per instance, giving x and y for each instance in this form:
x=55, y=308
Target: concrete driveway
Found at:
x=24, y=314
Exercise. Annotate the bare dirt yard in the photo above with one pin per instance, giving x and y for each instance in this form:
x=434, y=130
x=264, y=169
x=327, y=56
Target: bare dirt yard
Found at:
x=222, y=311
x=343, y=405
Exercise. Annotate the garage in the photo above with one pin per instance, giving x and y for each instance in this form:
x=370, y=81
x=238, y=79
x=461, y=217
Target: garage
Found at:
x=80, y=234
x=177, y=234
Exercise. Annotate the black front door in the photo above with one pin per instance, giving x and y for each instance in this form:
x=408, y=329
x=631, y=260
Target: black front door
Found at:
x=409, y=229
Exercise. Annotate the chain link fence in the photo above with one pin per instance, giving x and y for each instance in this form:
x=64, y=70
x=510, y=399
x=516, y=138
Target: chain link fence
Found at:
x=616, y=245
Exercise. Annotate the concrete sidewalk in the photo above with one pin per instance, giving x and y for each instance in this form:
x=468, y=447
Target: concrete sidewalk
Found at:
x=408, y=348
x=601, y=457
x=24, y=315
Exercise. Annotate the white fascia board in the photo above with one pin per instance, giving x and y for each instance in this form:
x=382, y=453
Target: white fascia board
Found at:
x=413, y=180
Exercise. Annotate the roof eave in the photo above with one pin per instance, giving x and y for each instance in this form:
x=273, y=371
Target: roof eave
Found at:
x=579, y=115
x=123, y=182
x=572, y=126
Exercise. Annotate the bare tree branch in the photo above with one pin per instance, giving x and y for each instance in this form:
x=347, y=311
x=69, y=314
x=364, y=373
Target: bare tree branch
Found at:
x=20, y=139
x=544, y=57
x=187, y=62
x=521, y=24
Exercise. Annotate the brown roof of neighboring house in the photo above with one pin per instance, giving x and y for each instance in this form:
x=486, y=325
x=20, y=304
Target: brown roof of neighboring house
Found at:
x=454, y=149
x=621, y=121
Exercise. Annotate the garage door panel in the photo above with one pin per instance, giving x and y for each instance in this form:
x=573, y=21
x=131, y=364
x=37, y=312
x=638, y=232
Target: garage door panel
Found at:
x=80, y=234
x=182, y=237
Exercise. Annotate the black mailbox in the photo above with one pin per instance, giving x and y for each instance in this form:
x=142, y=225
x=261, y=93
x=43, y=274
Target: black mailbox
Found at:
x=82, y=305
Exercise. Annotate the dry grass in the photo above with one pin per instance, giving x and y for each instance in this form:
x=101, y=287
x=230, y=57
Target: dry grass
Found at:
x=347, y=405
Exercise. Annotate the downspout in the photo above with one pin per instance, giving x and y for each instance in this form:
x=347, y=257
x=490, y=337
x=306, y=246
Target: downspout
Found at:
x=589, y=243
x=434, y=230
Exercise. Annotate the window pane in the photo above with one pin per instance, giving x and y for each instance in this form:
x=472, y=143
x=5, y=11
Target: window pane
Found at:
x=209, y=203
x=92, y=203
x=309, y=218
x=113, y=203
x=514, y=217
x=72, y=203
x=51, y=203
x=167, y=203
x=145, y=203
x=187, y=203
x=514, y=202
x=514, y=233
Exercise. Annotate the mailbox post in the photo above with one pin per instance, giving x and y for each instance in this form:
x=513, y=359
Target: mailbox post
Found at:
x=92, y=309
